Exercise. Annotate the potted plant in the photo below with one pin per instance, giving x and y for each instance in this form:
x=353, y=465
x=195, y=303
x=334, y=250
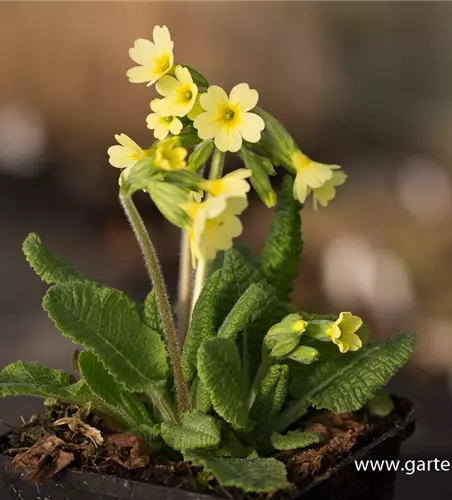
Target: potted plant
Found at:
x=244, y=393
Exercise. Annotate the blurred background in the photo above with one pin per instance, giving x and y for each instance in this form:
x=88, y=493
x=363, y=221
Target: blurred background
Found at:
x=365, y=85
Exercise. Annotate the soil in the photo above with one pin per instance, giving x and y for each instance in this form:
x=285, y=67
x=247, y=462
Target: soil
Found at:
x=61, y=437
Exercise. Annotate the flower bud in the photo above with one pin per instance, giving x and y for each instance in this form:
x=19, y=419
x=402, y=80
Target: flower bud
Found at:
x=171, y=200
x=284, y=337
x=304, y=354
x=200, y=155
x=261, y=168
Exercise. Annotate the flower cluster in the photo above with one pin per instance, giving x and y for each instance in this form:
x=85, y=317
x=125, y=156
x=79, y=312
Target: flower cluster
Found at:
x=285, y=339
x=189, y=112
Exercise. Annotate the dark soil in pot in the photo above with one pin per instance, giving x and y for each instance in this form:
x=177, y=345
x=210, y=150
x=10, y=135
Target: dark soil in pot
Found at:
x=124, y=468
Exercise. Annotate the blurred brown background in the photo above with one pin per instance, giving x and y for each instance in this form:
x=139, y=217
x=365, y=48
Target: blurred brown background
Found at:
x=364, y=85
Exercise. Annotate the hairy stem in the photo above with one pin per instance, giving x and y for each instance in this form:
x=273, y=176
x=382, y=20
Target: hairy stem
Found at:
x=184, y=290
x=164, y=308
x=216, y=171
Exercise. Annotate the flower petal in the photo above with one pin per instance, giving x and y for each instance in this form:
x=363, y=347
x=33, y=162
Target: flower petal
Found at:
x=162, y=36
x=229, y=139
x=243, y=97
x=208, y=125
x=251, y=127
x=141, y=74
x=176, y=127
x=166, y=85
x=214, y=98
x=143, y=52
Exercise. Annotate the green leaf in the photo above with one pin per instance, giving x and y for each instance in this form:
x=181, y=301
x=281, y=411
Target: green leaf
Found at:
x=104, y=386
x=199, y=396
x=106, y=321
x=202, y=325
x=251, y=304
x=294, y=440
x=346, y=383
x=237, y=275
x=46, y=265
x=32, y=379
x=219, y=369
x=280, y=257
x=260, y=168
x=269, y=402
x=258, y=475
x=197, y=431
x=151, y=314
x=200, y=155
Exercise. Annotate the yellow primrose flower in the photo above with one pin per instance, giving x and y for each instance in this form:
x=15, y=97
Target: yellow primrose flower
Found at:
x=170, y=156
x=214, y=224
x=310, y=175
x=161, y=124
x=126, y=154
x=226, y=119
x=324, y=194
x=154, y=58
x=343, y=332
x=232, y=184
x=179, y=92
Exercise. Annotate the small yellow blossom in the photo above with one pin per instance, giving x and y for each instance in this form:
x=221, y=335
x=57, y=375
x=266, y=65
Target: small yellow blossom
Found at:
x=161, y=124
x=227, y=120
x=154, y=59
x=232, y=184
x=179, y=92
x=310, y=175
x=170, y=156
x=324, y=194
x=343, y=332
x=214, y=224
x=126, y=154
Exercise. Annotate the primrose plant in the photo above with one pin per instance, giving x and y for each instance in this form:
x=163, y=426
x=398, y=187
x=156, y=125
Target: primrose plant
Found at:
x=251, y=364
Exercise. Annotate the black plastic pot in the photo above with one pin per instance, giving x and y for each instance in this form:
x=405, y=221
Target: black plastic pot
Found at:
x=343, y=482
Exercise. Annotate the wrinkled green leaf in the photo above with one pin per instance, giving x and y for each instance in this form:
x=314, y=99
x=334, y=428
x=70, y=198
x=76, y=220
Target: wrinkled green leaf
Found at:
x=250, y=305
x=106, y=321
x=46, y=265
x=294, y=440
x=202, y=325
x=197, y=431
x=32, y=379
x=257, y=475
x=219, y=368
x=280, y=258
x=104, y=386
x=269, y=402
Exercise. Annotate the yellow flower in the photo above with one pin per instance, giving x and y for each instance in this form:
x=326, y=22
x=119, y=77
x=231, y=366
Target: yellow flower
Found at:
x=179, y=93
x=126, y=154
x=214, y=224
x=232, y=184
x=161, y=124
x=226, y=119
x=310, y=175
x=343, y=332
x=170, y=156
x=327, y=192
x=154, y=58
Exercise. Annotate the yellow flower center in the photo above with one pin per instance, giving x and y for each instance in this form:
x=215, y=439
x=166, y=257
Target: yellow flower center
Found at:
x=168, y=119
x=229, y=115
x=185, y=95
x=162, y=63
